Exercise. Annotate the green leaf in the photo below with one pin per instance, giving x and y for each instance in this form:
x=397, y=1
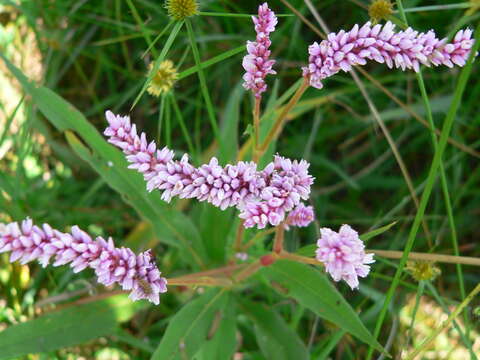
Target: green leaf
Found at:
x=71, y=326
x=309, y=250
x=171, y=226
x=313, y=290
x=274, y=337
x=222, y=341
x=188, y=330
x=371, y=234
x=215, y=226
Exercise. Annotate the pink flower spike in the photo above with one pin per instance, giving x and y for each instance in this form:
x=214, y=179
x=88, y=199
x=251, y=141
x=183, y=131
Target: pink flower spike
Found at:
x=343, y=255
x=273, y=191
x=256, y=63
x=406, y=49
x=136, y=273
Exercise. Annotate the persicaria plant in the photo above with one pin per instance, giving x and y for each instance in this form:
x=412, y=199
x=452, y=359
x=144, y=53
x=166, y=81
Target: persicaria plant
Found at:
x=269, y=193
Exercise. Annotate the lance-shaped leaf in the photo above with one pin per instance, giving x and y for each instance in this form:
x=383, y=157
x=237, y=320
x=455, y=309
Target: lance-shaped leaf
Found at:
x=313, y=290
x=71, y=326
x=188, y=330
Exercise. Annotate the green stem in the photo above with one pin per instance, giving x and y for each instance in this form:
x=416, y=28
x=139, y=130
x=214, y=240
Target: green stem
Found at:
x=277, y=127
x=159, y=59
x=256, y=127
x=168, y=122
x=464, y=5
x=140, y=23
x=418, y=296
x=161, y=113
x=203, y=82
x=181, y=121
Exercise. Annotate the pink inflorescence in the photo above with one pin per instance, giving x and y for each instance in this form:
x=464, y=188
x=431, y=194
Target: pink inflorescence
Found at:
x=343, y=255
x=301, y=216
x=404, y=49
x=257, y=63
x=135, y=273
x=264, y=197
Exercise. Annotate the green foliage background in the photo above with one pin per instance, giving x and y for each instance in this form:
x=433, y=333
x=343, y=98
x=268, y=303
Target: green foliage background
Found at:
x=55, y=167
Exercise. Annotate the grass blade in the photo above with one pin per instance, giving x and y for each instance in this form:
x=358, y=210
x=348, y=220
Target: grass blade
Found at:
x=161, y=57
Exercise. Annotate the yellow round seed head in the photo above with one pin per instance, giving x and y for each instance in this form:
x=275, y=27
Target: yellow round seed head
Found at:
x=380, y=9
x=423, y=270
x=181, y=9
x=163, y=79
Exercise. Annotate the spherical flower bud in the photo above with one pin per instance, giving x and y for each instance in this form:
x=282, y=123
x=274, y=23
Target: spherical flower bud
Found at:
x=379, y=10
x=423, y=270
x=343, y=255
x=181, y=9
x=268, y=259
x=164, y=78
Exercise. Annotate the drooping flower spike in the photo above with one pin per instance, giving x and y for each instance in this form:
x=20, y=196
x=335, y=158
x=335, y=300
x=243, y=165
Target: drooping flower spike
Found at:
x=343, y=255
x=264, y=197
x=405, y=49
x=135, y=273
x=257, y=62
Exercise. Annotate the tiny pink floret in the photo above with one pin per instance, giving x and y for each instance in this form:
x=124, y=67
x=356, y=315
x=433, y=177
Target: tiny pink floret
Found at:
x=405, y=49
x=257, y=63
x=263, y=197
x=301, y=216
x=343, y=255
x=136, y=273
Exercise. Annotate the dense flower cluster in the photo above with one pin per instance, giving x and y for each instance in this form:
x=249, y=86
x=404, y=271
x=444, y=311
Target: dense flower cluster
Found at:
x=405, y=49
x=257, y=63
x=135, y=273
x=301, y=216
x=164, y=78
x=263, y=196
x=343, y=255
x=181, y=9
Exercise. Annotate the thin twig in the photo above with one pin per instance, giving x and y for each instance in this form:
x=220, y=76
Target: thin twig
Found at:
x=200, y=281
x=277, y=127
x=248, y=271
x=451, y=259
x=239, y=236
x=279, y=235
x=256, y=127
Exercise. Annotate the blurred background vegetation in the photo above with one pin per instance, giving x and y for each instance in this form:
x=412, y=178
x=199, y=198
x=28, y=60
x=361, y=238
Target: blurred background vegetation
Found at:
x=96, y=54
